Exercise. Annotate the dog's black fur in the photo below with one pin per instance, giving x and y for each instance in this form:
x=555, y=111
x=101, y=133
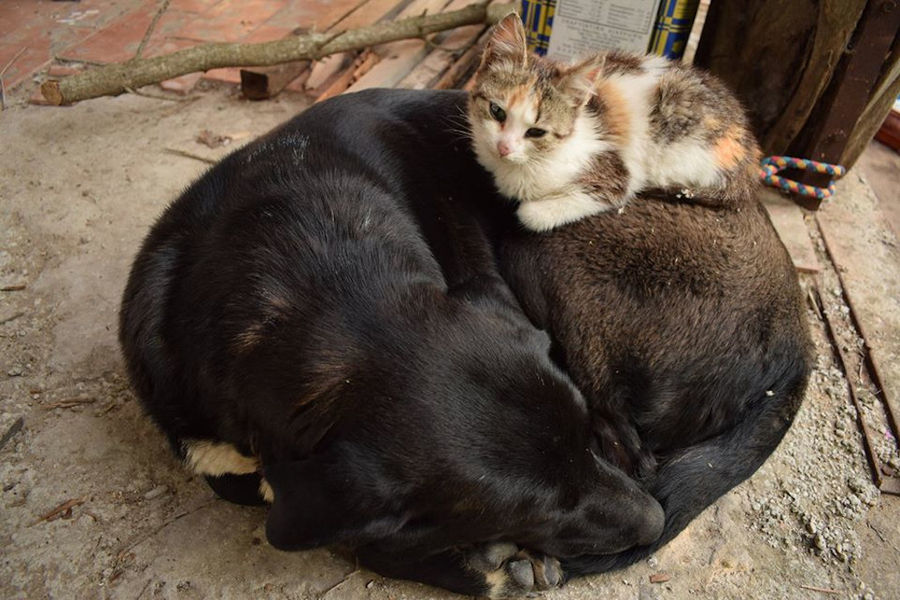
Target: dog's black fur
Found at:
x=683, y=324
x=320, y=301
x=684, y=328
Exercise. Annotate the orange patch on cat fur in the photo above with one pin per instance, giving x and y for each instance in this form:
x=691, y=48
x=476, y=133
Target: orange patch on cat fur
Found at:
x=729, y=150
x=616, y=116
x=518, y=95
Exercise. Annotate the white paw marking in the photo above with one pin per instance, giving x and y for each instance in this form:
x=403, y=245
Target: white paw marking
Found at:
x=266, y=491
x=217, y=458
x=544, y=215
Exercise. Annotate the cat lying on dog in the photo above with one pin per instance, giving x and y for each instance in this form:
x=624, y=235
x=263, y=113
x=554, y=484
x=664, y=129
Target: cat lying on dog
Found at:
x=317, y=321
x=570, y=141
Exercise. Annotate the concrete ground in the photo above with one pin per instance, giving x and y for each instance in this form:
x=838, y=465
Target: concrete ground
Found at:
x=881, y=167
x=94, y=506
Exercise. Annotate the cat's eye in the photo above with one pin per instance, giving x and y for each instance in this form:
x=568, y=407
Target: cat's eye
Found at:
x=535, y=132
x=498, y=113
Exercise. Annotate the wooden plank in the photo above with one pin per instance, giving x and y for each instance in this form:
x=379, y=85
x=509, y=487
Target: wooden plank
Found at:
x=787, y=218
x=449, y=47
x=464, y=67
x=778, y=57
x=836, y=117
x=852, y=84
x=869, y=269
x=880, y=104
x=399, y=58
x=325, y=72
x=402, y=57
x=836, y=22
x=372, y=12
x=339, y=85
x=259, y=83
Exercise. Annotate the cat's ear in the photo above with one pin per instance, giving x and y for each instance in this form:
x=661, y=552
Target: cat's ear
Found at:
x=507, y=42
x=578, y=81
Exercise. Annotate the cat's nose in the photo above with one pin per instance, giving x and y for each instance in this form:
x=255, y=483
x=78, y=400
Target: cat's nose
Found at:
x=503, y=148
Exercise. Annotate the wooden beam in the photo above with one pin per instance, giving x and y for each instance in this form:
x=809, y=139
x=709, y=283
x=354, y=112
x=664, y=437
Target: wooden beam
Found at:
x=777, y=57
x=449, y=47
x=828, y=131
x=836, y=21
x=260, y=83
x=398, y=58
x=460, y=70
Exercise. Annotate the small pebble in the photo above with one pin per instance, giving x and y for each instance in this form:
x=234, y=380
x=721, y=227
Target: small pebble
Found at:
x=156, y=492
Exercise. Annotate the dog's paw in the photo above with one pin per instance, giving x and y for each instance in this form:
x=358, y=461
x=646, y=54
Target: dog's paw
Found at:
x=510, y=571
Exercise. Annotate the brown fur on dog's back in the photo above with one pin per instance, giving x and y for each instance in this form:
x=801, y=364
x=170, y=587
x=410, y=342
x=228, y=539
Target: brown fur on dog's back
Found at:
x=684, y=328
x=662, y=283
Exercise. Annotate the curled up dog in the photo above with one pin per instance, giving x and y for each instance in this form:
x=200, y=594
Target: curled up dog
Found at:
x=289, y=329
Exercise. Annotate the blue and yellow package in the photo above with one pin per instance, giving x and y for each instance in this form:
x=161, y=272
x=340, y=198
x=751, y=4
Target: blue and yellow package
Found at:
x=615, y=24
x=537, y=15
x=673, y=27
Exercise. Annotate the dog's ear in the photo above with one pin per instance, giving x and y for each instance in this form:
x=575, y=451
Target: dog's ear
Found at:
x=314, y=506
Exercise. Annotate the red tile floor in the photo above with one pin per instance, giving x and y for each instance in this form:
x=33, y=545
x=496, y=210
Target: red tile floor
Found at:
x=34, y=34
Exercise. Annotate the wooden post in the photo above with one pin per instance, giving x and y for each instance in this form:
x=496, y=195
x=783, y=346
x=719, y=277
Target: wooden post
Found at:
x=817, y=76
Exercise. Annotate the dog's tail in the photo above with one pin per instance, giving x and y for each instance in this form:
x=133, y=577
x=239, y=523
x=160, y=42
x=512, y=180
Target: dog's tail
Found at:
x=691, y=479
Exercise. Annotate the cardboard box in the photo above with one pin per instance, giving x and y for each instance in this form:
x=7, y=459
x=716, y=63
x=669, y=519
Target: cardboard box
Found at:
x=569, y=29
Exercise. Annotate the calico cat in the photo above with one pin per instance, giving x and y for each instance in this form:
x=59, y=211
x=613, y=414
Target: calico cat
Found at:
x=568, y=141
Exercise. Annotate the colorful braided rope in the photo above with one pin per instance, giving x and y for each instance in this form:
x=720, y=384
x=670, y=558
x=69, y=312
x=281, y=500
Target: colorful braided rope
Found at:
x=772, y=165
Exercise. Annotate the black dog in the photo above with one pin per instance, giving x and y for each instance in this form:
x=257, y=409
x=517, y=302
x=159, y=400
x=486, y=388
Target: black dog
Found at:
x=288, y=327
x=682, y=324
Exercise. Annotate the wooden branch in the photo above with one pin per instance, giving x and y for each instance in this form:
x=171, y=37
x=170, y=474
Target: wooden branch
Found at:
x=113, y=79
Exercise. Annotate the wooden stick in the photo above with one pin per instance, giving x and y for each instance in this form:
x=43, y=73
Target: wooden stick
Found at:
x=187, y=154
x=71, y=402
x=159, y=13
x=113, y=79
x=10, y=62
x=59, y=510
x=813, y=588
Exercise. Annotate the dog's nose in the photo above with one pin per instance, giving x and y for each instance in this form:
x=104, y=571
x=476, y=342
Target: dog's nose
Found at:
x=504, y=148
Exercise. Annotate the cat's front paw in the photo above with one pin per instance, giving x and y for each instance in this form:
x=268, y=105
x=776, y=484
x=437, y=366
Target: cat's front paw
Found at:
x=510, y=571
x=547, y=214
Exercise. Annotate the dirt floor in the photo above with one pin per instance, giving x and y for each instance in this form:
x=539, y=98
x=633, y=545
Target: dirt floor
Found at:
x=79, y=188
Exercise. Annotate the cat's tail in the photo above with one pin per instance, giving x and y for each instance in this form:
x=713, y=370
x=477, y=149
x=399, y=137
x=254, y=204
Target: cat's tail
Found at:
x=692, y=479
